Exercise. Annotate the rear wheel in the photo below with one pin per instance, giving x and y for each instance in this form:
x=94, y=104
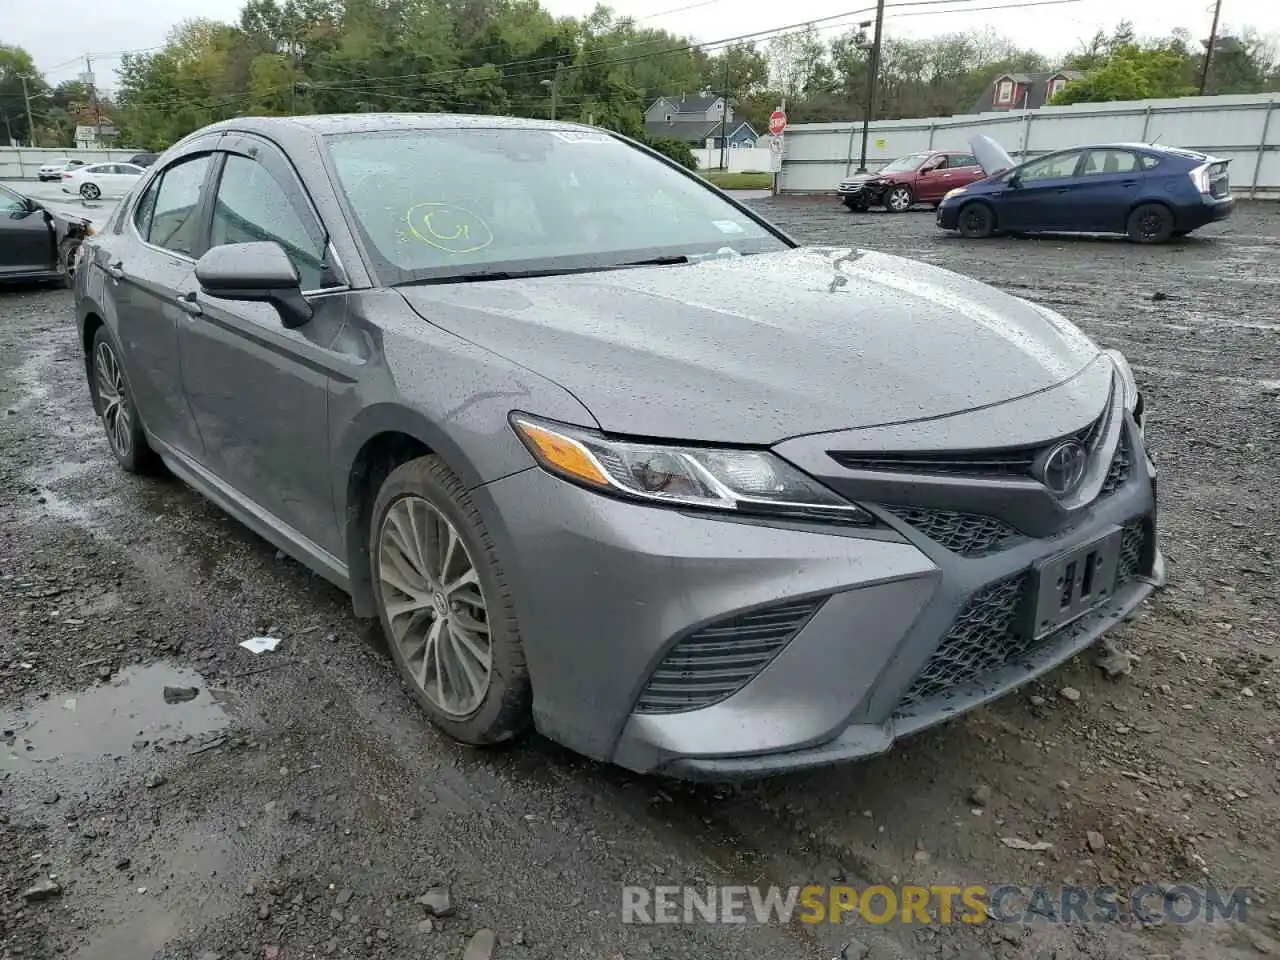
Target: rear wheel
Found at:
x=90, y=191
x=976, y=221
x=1150, y=223
x=899, y=199
x=113, y=402
x=444, y=606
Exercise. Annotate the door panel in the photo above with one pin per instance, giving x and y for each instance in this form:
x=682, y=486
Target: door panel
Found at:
x=260, y=391
x=1045, y=196
x=146, y=267
x=260, y=395
x=1109, y=183
x=931, y=185
x=26, y=239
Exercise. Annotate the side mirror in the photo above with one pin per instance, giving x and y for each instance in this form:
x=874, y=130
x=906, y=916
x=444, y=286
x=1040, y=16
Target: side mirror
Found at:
x=257, y=272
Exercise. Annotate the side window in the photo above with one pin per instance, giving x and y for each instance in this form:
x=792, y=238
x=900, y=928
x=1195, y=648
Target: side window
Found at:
x=1149, y=162
x=964, y=160
x=939, y=163
x=1051, y=168
x=145, y=208
x=174, y=216
x=251, y=205
x=1110, y=161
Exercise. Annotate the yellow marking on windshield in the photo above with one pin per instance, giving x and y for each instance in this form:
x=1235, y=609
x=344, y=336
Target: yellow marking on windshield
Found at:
x=448, y=227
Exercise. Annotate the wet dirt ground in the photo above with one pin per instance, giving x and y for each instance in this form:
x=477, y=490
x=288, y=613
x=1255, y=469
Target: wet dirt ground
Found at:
x=190, y=799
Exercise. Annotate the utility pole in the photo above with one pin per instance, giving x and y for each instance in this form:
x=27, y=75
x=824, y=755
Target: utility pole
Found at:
x=8, y=130
x=31, y=126
x=724, y=114
x=554, y=84
x=873, y=73
x=1208, y=50
x=293, y=69
x=93, y=93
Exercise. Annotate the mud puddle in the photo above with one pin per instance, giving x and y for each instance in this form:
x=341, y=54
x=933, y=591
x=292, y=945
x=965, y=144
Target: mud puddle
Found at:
x=71, y=742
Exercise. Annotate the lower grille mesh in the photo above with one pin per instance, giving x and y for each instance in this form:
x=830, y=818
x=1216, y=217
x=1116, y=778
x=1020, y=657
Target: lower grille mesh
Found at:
x=1120, y=468
x=987, y=634
x=968, y=534
x=719, y=660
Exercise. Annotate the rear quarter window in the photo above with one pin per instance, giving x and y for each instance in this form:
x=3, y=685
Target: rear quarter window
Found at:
x=1149, y=162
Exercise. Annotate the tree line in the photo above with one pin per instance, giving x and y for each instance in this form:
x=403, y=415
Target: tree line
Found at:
x=514, y=57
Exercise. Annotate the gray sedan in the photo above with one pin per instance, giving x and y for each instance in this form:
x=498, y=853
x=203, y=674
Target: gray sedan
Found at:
x=606, y=453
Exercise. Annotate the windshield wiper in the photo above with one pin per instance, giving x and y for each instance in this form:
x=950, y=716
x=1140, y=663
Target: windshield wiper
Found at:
x=657, y=261
x=478, y=276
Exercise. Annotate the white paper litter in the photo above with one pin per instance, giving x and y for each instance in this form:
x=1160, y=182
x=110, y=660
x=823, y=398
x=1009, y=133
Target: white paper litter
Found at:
x=260, y=644
x=1019, y=844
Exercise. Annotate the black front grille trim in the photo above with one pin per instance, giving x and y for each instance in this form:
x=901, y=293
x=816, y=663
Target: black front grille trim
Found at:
x=1120, y=468
x=968, y=534
x=1008, y=462
x=989, y=632
x=714, y=663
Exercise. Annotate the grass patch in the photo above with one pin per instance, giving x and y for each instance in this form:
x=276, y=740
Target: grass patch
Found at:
x=740, y=181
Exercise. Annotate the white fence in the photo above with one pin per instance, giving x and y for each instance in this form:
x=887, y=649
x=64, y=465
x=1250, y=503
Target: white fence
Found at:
x=738, y=159
x=21, y=163
x=1243, y=129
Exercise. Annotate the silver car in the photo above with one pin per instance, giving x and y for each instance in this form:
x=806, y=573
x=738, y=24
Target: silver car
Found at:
x=608, y=454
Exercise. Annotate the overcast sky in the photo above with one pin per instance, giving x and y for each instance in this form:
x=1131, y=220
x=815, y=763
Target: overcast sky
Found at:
x=56, y=34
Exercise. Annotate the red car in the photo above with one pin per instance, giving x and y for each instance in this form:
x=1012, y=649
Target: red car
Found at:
x=915, y=178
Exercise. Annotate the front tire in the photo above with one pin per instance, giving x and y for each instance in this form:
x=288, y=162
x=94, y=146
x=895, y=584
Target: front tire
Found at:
x=899, y=199
x=976, y=221
x=90, y=191
x=1150, y=223
x=67, y=260
x=445, y=609
x=113, y=402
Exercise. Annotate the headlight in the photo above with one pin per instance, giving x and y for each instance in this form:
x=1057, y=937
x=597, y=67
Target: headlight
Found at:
x=1132, y=397
x=952, y=193
x=737, y=481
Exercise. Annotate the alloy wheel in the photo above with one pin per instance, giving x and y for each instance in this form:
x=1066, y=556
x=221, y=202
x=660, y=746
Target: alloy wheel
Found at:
x=434, y=605
x=113, y=402
x=90, y=191
x=899, y=200
x=1150, y=225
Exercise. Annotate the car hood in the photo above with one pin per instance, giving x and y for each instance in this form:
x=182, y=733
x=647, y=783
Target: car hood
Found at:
x=760, y=348
x=990, y=155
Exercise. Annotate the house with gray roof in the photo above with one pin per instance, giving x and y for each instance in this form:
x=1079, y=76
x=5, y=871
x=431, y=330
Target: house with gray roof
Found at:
x=1024, y=91
x=697, y=120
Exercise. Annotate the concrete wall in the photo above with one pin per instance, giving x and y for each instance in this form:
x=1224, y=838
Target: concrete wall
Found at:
x=21, y=163
x=1243, y=129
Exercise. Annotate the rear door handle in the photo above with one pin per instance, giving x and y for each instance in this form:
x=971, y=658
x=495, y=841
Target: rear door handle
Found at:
x=1065, y=189
x=189, y=304
x=115, y=269
x=1128, y=183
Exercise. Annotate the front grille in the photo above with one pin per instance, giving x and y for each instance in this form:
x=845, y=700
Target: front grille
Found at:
x=968, y=534
x=1120, y=468
x=988, y=634
x=983, y=464
x=719, y=660
x=1133, y=548
x=983, y=638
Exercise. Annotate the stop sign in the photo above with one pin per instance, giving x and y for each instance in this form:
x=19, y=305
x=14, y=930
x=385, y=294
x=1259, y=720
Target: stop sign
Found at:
x=777, y=123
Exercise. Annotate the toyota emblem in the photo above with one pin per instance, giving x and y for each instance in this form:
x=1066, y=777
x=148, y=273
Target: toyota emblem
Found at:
x=1063, y=467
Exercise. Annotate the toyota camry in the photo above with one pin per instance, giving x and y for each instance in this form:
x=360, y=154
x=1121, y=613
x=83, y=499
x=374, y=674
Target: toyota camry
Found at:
x=606, y=453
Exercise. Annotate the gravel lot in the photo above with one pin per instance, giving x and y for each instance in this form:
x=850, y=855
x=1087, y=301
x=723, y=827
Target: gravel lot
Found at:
x=299, y=806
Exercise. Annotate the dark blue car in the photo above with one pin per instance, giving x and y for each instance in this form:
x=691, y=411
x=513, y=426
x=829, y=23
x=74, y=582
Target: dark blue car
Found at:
x=1148, y=193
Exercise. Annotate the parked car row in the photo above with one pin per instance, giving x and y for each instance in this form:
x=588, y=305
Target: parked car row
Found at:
x=1146, y=192
x=55, y=169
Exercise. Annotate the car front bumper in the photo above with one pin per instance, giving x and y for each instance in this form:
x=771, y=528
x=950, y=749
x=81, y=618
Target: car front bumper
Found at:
x=610, y=595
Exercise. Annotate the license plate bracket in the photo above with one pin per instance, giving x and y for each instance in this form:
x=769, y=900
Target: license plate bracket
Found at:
x=1070, y=584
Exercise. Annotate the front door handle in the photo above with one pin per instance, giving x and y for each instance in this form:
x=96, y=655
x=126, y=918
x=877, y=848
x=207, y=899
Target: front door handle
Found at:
x=1128, y=183
x=189, y=304
x=1065, y=189
x=115, y=269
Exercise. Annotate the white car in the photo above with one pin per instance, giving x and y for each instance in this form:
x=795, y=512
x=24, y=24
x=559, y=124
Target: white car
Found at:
x=54, y=169
x=101, y=180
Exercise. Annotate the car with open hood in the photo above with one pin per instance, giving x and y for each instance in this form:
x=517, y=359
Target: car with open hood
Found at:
x=1146, y=192
x=605, y=452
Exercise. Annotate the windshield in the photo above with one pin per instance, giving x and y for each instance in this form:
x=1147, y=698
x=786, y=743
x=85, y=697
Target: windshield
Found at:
x=436, y=203
x=903, y=164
